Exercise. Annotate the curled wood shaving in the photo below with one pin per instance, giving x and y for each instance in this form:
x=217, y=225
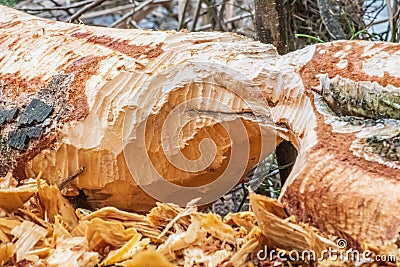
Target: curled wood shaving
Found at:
x=130, y=220
x=184, y=213
x=214, y=225
x=12, y=199
x=244, y=219
x=101, y=234
x=126, y=251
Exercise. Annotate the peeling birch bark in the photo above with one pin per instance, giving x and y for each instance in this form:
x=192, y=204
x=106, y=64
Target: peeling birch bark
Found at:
x=346, y=178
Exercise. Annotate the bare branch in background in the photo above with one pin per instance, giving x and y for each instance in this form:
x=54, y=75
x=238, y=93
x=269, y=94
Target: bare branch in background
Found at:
x=183, y=5
x=66, y=7
x=84, y=9
x=330, y=21
x=196, y=14
x=131, y=13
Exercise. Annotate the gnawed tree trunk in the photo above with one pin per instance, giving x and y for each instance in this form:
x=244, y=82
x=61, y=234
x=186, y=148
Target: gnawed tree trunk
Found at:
x=72, y=86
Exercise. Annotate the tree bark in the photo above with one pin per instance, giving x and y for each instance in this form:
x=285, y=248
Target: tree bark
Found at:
x=272, y=24
x=101, y=83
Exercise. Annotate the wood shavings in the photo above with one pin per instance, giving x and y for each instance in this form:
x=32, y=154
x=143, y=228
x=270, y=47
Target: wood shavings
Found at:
x=214, y=225
x=110, y=237
x=54, y=204
x=130, y=220
x=242, y=219
x=196, y=256
x=28, y=235
x=72, y=252
x=127, y=250
x=101, y=234
x=12, y=199
x=283, y=233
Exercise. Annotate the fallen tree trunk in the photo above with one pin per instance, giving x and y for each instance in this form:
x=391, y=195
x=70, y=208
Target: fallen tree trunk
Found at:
x=133, y=106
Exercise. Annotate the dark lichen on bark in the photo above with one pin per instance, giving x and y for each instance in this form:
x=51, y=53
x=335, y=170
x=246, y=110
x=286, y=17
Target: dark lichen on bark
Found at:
x=386, y=148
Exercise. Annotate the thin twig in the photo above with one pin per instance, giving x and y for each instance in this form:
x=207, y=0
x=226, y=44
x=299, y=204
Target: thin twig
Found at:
x=42, y=9
x=182, y=12
x=196, y=15
x=130, y=13
x=239, y=17
x=84, y=9
x=112, y=10
x=213, y=14
x=245, y=195
x=69, y=179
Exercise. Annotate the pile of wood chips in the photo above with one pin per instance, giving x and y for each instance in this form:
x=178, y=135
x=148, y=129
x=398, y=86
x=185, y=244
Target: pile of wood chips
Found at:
x=38, y=227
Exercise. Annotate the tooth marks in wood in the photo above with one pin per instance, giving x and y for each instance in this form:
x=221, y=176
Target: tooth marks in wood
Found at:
x=123, y=46
x=81, y=70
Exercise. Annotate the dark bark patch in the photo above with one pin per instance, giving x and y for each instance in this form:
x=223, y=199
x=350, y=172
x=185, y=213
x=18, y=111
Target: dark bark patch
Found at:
x=8, y=115
x=19, y=139
x=36, y=131
x=36, y=112
x=364, y=99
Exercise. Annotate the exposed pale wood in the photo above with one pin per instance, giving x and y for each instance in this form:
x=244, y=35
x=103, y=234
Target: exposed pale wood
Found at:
x=340, y=183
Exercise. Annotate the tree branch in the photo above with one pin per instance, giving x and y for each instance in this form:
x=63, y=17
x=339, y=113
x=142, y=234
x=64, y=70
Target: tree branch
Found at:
x=331, y=22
